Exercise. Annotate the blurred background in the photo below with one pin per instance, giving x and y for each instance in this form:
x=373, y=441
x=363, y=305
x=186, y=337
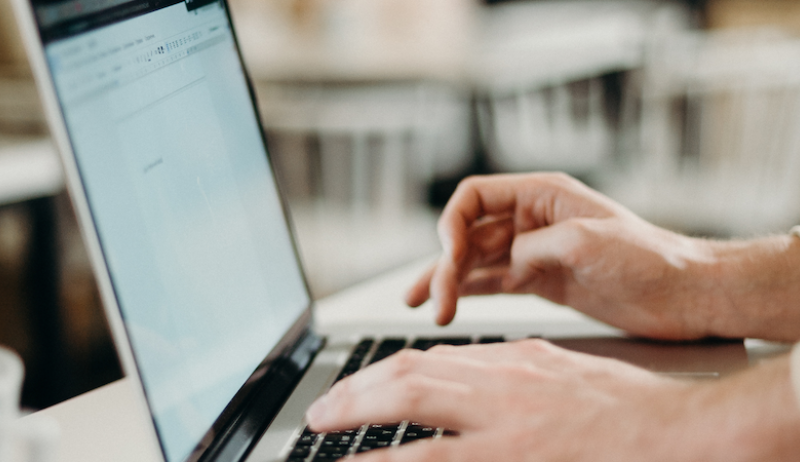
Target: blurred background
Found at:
x=686, y=111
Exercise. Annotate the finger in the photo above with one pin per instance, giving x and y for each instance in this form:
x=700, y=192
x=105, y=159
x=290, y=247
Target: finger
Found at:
x=490, y=241
x=483, y=281
x=526, y=351
x=444, y=290
x=535, y=253
x=534, y=200
x=414, y=397
x=474, y=198
x=420, y=291
x=410, y=361
x=439, y=450
x=384, y=374
x=489, y=244
x=537, y=353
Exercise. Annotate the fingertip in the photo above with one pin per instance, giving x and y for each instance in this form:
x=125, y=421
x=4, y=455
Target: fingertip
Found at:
x=444, y=292
x=445, y=315
x=420, y=292
x=414, y=298
x=315, y=414
x=446, y=308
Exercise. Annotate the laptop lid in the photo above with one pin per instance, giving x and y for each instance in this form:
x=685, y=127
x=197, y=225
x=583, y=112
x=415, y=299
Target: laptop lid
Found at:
x=165, y=159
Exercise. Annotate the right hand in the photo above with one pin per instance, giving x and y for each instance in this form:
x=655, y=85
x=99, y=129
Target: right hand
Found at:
x=532, y=401
x=550, y=235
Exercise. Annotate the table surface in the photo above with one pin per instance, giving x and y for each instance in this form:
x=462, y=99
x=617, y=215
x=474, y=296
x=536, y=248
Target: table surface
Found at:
x=29, y=168
x=109, y=424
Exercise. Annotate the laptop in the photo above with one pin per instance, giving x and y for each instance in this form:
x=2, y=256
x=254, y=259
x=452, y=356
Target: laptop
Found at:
x=154, y=116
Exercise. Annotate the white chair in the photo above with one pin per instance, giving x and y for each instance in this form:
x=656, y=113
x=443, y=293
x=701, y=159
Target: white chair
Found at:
x=540, y=70
x=720, y=140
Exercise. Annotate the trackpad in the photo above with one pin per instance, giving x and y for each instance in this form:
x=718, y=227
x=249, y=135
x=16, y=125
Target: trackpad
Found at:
x=695, y=360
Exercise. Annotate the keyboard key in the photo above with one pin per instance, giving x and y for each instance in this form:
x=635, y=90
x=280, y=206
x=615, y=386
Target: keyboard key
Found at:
x=350, y=431
x=389, y=426
x=456, y=341
x=423, y=344
x=300, y=451
x=327, y=458
x=330, y=453
x=373, y=445
x=356, y=359
x=339, y=437
x=491, y=339
x=329, y=444
x=415, y=431
x=387, y=348
x=385, y=436
x=414, y=427
x=306, y=440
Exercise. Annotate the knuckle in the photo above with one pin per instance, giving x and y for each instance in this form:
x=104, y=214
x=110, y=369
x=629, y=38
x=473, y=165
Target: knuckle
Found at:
x=338, y=393
x=581, y=227
x=560, y=179
x=404, y=361
x=582, y=234
x=443, y=225
x=538, y=346
x=470, y=182
x=413, y=394
x=466, y=187
x=442, y=349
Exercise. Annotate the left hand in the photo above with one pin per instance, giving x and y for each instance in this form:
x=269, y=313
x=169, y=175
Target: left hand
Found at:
x=550, y=235
x=527, y=400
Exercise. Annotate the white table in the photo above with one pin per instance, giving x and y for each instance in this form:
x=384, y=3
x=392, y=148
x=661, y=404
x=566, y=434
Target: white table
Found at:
x=29, y=169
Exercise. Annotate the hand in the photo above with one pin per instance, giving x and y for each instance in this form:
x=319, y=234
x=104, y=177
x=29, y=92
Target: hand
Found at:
x=532, y=401
x=550, y=235
x=516, y=401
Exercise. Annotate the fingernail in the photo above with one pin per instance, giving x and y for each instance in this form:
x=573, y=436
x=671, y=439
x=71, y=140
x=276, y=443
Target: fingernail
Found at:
x=317, y=410
x=447, y=244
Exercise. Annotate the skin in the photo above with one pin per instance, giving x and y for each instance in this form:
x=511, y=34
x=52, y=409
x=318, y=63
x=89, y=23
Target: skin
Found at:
x=550, y=235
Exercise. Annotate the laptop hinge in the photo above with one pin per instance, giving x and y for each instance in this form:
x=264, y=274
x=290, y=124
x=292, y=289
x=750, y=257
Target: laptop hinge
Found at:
x=236, y=439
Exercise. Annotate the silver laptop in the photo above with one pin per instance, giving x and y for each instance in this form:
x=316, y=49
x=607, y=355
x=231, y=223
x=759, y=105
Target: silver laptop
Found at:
x=166, y=163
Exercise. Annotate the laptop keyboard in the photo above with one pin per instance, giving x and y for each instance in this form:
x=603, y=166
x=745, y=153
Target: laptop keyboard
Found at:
x=331, y=446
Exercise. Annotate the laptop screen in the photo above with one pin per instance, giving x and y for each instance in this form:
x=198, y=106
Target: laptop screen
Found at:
x=177, y=178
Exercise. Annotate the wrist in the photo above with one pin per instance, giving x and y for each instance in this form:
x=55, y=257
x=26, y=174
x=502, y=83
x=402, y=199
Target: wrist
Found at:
x=752, y=287
x=696, y=286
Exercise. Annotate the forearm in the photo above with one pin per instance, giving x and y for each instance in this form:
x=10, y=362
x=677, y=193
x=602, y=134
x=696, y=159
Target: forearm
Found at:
x=752, y=417
x=754, y=288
